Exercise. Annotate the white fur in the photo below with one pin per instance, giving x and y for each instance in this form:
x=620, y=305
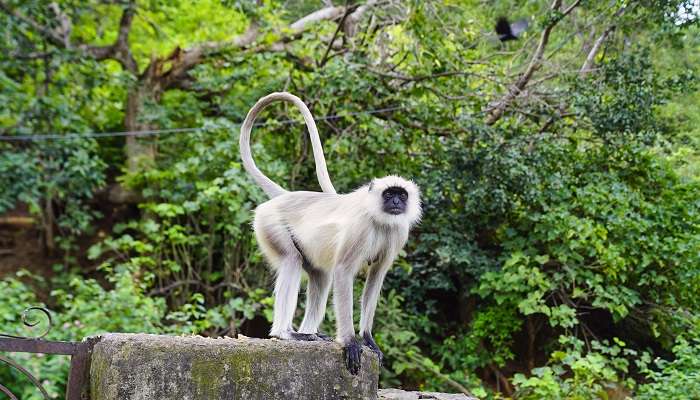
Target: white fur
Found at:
x=271, y=188
x=323, y=227
x=336, y=233
x=413, y=209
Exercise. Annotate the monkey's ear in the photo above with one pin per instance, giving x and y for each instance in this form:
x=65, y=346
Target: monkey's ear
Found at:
x=371, y=184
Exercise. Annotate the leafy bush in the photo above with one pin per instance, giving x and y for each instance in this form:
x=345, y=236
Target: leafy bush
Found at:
x=678, y=378
x=83, y=308
x=577, y=374
x=56, y=180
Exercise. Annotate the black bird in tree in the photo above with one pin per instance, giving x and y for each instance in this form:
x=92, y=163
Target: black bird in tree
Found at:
x=507, y=31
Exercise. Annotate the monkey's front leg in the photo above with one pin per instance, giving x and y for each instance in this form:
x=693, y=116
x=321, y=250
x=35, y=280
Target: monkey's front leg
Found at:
x=343, y=276
x=370, y=297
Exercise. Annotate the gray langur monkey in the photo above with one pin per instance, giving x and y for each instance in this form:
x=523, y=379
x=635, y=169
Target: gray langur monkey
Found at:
x=331, y=237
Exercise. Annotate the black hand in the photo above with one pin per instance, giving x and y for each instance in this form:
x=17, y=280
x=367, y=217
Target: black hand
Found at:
x=369, y=342
x=353, y=356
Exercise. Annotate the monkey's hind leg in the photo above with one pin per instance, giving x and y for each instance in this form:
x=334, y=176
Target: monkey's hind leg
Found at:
x=286, y=293
x=316, y=299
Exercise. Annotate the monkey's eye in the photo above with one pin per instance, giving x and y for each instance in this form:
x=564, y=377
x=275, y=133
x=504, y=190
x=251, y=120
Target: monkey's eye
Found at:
x=386, y=195
x=403, y=197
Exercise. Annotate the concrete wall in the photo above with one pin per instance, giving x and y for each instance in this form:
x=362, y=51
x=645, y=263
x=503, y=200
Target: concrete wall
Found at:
x=156, y=367
x=153, y=367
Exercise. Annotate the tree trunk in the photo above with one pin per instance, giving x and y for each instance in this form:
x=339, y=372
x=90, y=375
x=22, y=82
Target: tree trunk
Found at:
x=49, y=218
x=138, y=154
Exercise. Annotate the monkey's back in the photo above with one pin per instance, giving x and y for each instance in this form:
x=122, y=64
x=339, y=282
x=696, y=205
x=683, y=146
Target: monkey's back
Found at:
x=319, y=223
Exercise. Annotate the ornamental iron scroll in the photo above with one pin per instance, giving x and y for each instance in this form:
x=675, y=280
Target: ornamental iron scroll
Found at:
x=79, y=352
x=31, y=324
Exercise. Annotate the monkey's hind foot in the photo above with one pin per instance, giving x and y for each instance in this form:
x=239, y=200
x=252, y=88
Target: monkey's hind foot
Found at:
x=306, y=337
x=324, y=337
x=353, y=356
x=291, y=335
x=369, y=342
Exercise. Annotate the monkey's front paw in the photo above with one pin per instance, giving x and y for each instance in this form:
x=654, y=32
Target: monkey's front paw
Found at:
x=353, y=356
x=369, y=342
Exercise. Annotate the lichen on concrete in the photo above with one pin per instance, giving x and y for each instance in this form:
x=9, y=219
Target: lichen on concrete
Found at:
x=156, y=367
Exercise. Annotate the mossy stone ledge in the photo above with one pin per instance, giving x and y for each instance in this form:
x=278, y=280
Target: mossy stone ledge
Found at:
x=157, y=367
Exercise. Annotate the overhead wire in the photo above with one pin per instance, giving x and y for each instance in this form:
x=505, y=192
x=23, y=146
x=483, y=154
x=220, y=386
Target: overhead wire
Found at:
x=155, y=132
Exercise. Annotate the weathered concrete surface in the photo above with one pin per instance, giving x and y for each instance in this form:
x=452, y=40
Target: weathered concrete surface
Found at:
x=155, y=367
x=396, y=394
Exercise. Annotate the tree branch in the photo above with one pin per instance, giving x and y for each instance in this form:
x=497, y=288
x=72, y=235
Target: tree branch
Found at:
x=184, y=60
x=417, y=78
x=118, y=51
x=349, y=25
x=324, y=14
x=590, y=58
x=324, y=59
x=179, y=61
x=496, y=110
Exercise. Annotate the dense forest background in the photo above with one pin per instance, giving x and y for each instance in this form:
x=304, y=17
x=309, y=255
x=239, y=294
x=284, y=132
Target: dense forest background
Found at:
x=559, y=253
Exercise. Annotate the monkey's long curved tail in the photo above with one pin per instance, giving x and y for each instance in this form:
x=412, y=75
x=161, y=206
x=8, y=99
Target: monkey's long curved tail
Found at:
x=271, y=188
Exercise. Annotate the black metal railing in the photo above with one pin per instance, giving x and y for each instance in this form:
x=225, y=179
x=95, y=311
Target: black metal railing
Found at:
x=76, y=389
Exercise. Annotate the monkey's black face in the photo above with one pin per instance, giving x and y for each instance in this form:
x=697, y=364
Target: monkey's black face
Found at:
x=394, y=199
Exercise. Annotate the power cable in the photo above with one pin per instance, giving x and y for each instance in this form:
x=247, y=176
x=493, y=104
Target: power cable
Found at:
x=154, y=132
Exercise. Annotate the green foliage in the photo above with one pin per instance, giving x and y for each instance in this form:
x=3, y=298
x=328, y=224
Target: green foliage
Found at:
x=397, y=334
x=56, y=181
x=488, y=339
x=82, y=308
x=90, y=309
x=576, y=374
x=198, y=232
x=559, y=249
x=602, y=241
x=620, y=105
x=678, y=378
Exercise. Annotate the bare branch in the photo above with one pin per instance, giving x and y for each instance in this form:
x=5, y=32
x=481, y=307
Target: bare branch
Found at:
x=496, y=110
x=65, y=26
x=325, y=57
x=243, y=40
x=18, y=221
x=251, y=34
x=417, y=78
x=324, y=14
x=184, y=60
x=590, y=59
x=350, y=23
x=119, y=50
x=34, y=55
